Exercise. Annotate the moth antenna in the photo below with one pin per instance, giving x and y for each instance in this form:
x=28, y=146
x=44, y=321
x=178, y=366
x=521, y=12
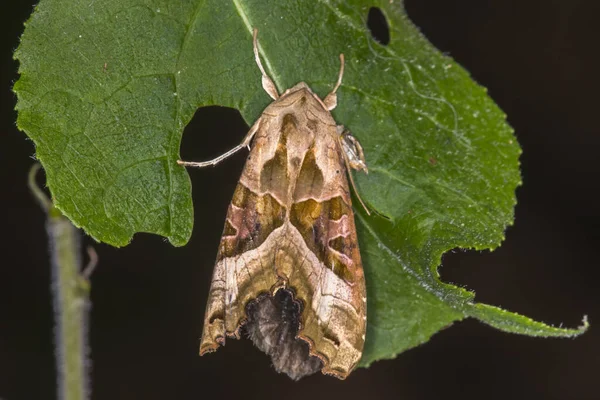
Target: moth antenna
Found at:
x=349, y=169
x=330, y=100
x=341, y=74
x=215, y=161
x=267, y=83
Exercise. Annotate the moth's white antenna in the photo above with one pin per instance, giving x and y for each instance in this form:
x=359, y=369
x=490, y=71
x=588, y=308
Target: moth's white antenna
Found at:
x=341, y=74
x=271, y=90
x=267, y=83
x=330, y=100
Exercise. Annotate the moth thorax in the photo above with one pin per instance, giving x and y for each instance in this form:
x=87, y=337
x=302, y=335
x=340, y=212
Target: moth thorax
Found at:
x=273, y=323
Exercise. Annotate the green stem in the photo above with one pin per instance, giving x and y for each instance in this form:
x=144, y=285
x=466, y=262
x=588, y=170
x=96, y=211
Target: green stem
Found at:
x=70, y=291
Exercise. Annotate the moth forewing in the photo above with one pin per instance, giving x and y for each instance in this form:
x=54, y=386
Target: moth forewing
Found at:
x=289, y=266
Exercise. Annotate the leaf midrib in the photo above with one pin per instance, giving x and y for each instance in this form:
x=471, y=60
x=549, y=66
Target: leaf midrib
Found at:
x=250, y=28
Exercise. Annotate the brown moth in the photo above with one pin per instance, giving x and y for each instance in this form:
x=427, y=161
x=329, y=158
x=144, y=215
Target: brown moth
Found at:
x=289, y=269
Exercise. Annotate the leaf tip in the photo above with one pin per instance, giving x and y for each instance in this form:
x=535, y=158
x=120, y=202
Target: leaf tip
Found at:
x=585, y=324
x=512, y=322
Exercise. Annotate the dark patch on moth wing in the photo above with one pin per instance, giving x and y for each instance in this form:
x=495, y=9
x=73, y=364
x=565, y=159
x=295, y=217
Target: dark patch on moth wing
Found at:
x=216, y=316
x=274, y=174
x=337, y=209
x=250, y=220
x=346, y=321
x=329, y=335
x=310, y=179
x=229, y=230
x=308, y=217
x=344, y=245
x=273, y=323
x=289, y=124
x=317, y=223
x=311, y=124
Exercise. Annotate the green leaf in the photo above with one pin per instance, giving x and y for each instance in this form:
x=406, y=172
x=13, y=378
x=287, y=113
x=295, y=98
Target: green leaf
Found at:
x=107, y=87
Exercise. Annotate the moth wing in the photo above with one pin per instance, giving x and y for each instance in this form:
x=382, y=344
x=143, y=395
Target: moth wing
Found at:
x=330, y=279
x=244, y=267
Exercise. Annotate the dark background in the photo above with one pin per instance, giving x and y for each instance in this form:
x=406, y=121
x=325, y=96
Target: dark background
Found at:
x=539, y=60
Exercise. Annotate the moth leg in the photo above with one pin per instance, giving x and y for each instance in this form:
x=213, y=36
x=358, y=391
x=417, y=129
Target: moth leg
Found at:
x=354, y=158
x=267, y=83
x=331, y=99
x=353, y=149
x=215, y=161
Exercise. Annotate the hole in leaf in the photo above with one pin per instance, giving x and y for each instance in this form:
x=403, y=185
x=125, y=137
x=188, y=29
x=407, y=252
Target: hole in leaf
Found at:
x=213, y=131
x=377, y=24
x=461, y=267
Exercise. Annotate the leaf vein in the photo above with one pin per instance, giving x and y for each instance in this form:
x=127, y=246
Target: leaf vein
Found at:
x=244, y=15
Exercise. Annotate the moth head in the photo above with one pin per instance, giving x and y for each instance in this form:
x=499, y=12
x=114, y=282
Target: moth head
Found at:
x=296, y=88
x=303, y=87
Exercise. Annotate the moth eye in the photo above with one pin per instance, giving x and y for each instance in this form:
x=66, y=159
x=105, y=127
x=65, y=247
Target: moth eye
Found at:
x=337, y=171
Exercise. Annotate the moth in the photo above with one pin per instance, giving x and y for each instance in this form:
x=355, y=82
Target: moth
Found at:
x=288, y=270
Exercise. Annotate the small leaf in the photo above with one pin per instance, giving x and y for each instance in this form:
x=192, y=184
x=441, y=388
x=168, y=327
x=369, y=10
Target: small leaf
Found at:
x=106, y=89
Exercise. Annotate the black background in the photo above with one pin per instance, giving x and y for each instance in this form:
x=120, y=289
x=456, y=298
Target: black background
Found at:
x=539, y=60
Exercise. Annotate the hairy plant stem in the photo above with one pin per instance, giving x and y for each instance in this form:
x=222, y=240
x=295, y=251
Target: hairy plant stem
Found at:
x=70, y=292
